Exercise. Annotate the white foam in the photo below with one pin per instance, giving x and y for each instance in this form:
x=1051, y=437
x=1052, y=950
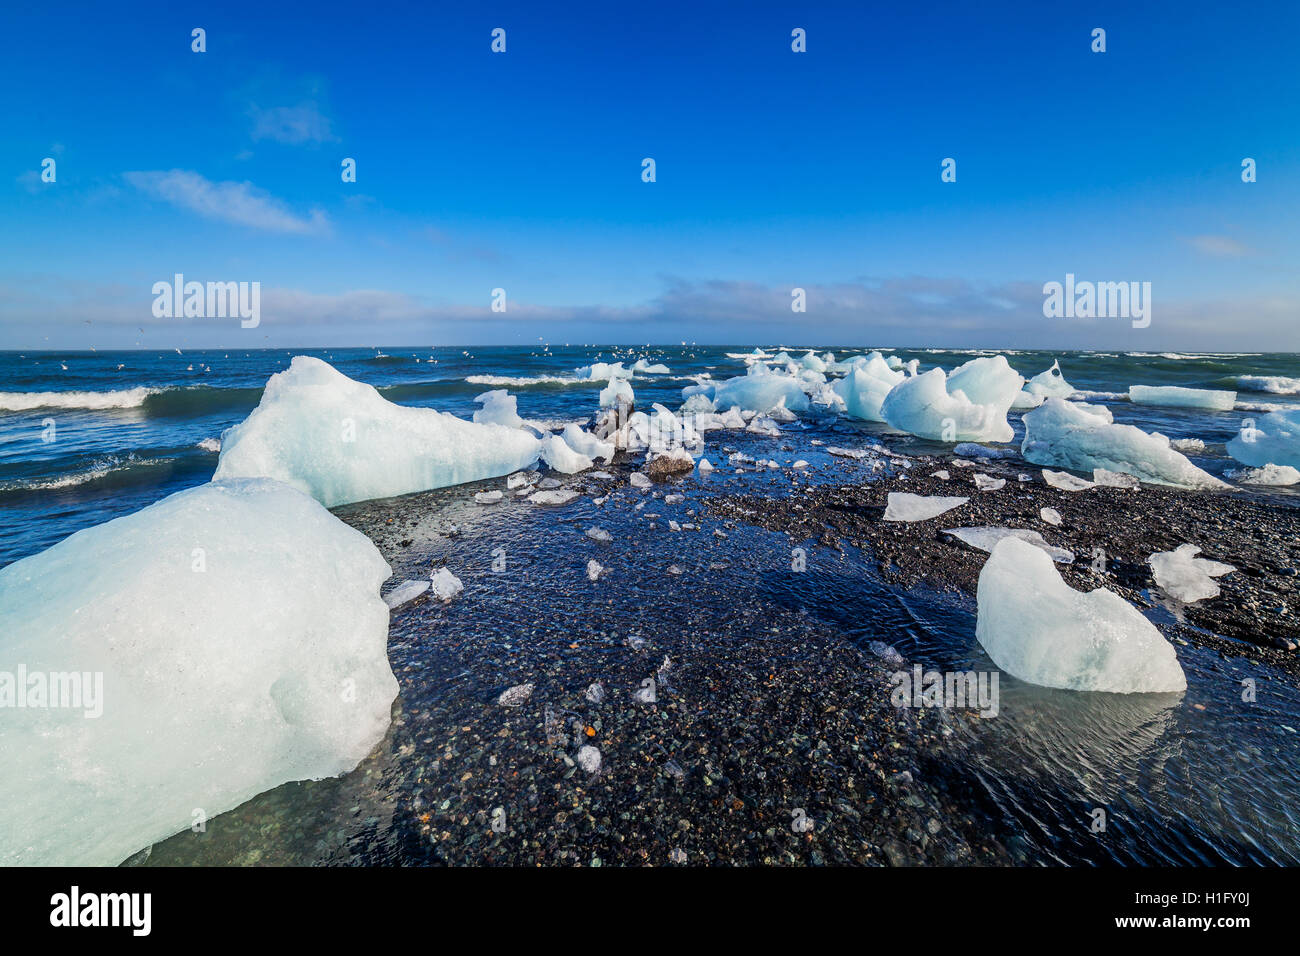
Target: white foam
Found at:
x=26, y=401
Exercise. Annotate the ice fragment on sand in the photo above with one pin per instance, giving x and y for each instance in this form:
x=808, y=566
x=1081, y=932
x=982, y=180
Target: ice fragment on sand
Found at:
x=404, y=593
x=1064, y=481
x=902, y=506
x=445, y=584
x=1182, y=575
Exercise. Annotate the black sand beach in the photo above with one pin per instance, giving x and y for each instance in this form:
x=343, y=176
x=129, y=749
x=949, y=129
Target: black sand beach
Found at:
x=771, y=738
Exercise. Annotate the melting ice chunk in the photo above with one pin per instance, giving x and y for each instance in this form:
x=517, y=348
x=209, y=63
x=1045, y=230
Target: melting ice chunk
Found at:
x=903, y=506
x=1182, y=575
x=924, y=406
x=985, y=537
x=405, y=593
x=1063, y=434
x=1273, y=475
x=226, y=620
x=561, y=496
x=445, y=584
x=341, y=441
x=1114, y=479
x=1273, y=440
x=1064, y=481
x=557, y=453
x=1176, y=397
x=1038, y=628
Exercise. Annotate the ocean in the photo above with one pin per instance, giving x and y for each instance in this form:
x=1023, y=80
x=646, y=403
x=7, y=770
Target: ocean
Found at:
x=85, y=437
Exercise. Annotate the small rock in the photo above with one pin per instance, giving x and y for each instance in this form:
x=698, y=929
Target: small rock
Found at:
x=516, y=696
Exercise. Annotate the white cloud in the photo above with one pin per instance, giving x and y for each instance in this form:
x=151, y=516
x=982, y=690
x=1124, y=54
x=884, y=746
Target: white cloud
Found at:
x=1219, y=246
x=294, y=125
x=240, y=203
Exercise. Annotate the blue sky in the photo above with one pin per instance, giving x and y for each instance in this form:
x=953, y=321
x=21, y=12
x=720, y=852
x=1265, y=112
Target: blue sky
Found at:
x=522, y=171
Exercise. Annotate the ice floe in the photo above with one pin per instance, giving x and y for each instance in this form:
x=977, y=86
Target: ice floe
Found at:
x=1068, y=435
x=923, y=406
x=1176, y=397
x=1272, y=440
x=340, y=441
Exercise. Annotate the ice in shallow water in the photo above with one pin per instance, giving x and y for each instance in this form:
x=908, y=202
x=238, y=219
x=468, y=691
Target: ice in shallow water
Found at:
x=865, y=386
x=1176, y=397
x=1272, y=440
x=762, y=390
x=1066, y=435
x=1038, y=628
x=924, y=406
x=341, y=441
x=243, y=644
